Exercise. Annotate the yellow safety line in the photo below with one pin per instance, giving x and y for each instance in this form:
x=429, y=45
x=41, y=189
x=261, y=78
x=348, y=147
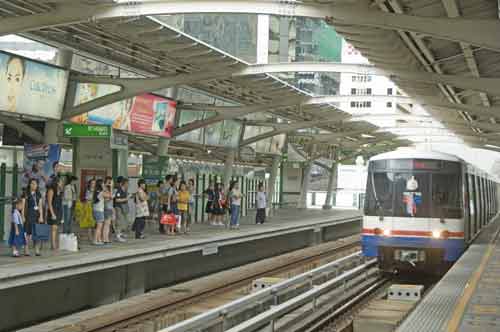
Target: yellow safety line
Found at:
x=470, y=287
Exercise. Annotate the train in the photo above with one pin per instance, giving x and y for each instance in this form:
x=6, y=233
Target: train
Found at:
x=422, y=209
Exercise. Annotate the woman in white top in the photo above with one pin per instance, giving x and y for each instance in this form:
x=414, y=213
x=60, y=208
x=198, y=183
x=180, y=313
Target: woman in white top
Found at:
x=142, y=209
x=98, y=212
x=68, y=204
x=235, y=197
x=260, y=217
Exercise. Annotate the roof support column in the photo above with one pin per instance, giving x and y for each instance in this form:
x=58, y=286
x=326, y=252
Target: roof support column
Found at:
x=331, y=191
x=228, y=167
x=64, y=59
x=306, y=179
x=271, y=190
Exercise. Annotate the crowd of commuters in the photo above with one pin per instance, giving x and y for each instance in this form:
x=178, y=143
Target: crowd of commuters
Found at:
x=105, y=210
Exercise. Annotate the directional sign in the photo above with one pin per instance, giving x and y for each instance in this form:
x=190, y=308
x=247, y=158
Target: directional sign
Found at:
x=77, y=130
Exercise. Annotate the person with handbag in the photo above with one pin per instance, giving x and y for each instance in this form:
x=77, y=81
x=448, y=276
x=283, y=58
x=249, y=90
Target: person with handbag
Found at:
x=261, y=202
x=121, y=209
x=55, y=210
x=68, y=205
x=219, y=205
x=98, y=212
x=141, y=208
x=34, y=215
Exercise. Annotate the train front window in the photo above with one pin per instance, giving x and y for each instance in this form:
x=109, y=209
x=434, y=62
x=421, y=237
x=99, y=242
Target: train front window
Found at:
x=411, y=195
x=446, y=196
x=379, y=194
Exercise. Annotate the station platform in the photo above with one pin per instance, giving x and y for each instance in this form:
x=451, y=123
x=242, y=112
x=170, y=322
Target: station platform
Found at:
x=62, y=283
x=467, y=298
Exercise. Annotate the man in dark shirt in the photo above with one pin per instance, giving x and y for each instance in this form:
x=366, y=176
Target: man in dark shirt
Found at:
x=121, y=209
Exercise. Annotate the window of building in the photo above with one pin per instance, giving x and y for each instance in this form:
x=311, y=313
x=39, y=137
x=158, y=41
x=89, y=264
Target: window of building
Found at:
x=353, y=104
x=389, y=91
x=353, y=91
x=369, y=91
x=389, y=104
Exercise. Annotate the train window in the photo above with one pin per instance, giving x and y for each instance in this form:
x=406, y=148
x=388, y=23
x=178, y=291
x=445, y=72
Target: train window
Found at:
x=411, y=195
x=446, y=201
x=379, y=194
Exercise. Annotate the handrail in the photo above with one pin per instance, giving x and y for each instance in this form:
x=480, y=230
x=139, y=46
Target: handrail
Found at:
x=269, y=316
x=211, y=315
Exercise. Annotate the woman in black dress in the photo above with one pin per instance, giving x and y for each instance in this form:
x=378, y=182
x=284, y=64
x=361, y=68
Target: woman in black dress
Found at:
x=55, y=210
x=209, y=208
x=33, y=213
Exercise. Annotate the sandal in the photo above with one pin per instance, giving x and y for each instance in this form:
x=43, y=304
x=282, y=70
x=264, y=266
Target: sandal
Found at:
x=16, y=255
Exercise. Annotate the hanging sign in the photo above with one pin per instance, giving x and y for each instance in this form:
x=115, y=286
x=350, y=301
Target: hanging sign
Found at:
x=72, y=130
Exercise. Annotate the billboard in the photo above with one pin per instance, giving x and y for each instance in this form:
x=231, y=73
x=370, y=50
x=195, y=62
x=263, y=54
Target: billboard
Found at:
x=31, y=88
x=41, y=162
x=146, y=114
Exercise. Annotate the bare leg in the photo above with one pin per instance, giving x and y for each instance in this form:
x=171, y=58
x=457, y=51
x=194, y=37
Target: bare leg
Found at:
x=105, y=231
x=54, y=239
x=27, y=246
x=98, y=233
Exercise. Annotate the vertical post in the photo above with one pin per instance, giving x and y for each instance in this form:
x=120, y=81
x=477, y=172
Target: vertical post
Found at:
x=14, y=179
x=302, y=204
x=204, y=186
x=332, y=187
x=3, y=176
x=228, y=167
x=114, y=164
x=272, y=183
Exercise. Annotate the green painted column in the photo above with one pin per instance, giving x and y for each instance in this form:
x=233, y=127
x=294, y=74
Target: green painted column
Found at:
x=3, y=177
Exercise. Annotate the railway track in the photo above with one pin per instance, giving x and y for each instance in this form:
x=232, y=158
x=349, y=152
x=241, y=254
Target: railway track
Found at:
x=165, y=307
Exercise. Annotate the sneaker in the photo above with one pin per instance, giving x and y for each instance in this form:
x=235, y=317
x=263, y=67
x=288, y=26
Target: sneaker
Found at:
x=96, y=243
x=120, y=238
x=220, y=224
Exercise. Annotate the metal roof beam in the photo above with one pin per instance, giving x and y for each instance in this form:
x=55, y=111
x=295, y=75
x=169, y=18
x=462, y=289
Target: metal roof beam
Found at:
x=22, y=128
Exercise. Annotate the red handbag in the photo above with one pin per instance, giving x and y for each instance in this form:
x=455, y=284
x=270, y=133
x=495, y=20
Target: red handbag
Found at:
x=168, y=219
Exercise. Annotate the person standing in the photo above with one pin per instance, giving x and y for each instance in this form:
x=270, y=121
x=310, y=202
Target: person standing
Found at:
x=108, y=209
x=219, y=205
x=55, y=210
x=163, y=197
x=68, y=205
x=98, y=212
x=235, y=199
x=17, y=239
x=142, y=209
x=121, y=209
x=261, y=202
x=209, y=208
x=88, y=220
x=192, y=196
x=183, y=205
x=34, y=214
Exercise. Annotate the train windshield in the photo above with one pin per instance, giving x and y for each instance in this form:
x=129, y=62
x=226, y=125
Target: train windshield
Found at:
x=416, y=193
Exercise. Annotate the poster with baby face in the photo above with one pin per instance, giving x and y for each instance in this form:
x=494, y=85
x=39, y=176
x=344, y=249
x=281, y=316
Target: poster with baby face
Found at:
x=31, y=88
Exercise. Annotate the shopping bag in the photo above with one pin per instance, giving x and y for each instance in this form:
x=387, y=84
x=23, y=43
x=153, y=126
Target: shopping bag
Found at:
x=41, y=232
x=71, y=243
x=62, y=241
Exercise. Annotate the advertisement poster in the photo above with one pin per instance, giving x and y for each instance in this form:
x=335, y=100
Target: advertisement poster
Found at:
x=145, y=114
x=31, y=88
x=41, y=162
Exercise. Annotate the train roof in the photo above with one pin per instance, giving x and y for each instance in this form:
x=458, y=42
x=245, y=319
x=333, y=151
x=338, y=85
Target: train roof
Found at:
x=416, y=154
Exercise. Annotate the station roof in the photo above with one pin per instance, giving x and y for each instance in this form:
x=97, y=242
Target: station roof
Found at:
x=148, y=46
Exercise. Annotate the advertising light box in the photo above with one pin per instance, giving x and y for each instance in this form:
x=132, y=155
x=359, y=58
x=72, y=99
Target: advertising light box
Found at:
x=31, y=88
x=146, y=114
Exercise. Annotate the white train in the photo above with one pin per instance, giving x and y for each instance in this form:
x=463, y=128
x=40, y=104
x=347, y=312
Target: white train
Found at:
x=422, y=209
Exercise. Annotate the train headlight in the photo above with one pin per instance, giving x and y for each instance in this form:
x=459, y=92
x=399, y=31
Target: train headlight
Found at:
x=387, y=232
x=436, y=234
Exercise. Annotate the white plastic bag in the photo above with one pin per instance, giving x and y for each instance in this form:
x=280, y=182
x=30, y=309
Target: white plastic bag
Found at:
x=72, y=243
x=178, y=220
x=62, y=241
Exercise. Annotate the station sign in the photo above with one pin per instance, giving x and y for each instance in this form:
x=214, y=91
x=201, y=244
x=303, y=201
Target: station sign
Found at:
x=72, y=130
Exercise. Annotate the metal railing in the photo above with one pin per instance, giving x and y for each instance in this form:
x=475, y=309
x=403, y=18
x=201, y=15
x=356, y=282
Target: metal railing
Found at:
x=204, y=320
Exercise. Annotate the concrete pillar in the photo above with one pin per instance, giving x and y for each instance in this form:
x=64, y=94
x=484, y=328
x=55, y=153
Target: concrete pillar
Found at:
x=262, y=39
x=50, y=132
x=64, y=59
x=163, y=144
x=272, y=183
x=332, y=188
x=228, y=167
x=122, y=162
x=302, y=203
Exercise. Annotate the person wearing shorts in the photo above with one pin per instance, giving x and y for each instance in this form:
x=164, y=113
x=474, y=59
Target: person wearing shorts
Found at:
x=98, y=212
x=108, y=209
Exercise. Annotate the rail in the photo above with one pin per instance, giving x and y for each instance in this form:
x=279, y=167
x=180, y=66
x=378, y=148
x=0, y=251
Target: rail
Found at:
x=270, y=316
x=221, y=312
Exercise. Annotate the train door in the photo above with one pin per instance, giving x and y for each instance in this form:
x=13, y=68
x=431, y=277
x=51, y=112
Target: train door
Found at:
x=466, y=205
x=481, y=201
x=475, y=212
